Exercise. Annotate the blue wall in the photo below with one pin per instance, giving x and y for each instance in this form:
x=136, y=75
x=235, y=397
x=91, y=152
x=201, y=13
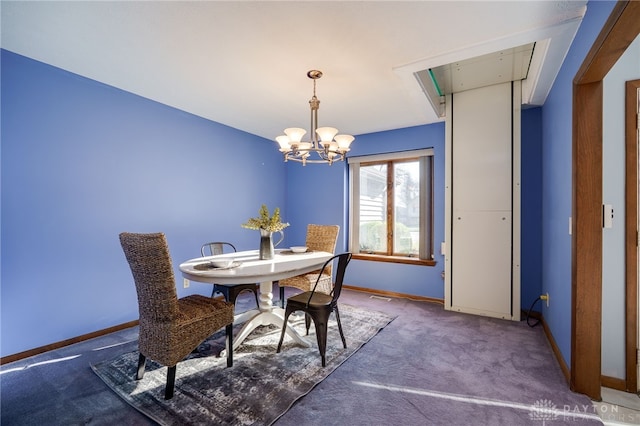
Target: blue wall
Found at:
x=82, y=162
x=315, y=194
x=531, y=206
x=556, y=180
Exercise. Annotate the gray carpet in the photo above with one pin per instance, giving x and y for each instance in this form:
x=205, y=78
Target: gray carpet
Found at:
x=441, y=368
x=427, y=367
x=257, y=390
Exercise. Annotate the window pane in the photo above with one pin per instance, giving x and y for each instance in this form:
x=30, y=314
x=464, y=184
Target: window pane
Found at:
x=406, y=238
x=373, y=207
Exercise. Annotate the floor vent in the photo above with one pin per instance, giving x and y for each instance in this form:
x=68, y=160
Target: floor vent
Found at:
x=386, y=299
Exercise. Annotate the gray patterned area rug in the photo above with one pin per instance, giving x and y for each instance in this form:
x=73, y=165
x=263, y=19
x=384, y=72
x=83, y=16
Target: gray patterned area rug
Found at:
x=260, y=387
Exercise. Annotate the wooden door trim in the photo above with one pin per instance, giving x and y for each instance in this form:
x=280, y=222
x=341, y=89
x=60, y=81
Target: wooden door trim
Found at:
x=619, y=31
x=631, y=233
x=586, y=243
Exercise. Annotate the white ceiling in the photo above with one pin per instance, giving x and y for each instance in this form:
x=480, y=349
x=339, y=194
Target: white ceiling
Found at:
x=244, y=63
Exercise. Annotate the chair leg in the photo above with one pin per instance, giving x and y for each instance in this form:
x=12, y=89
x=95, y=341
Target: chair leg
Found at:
x=171, y=379
x=320, y=321
x=229, y=332
x=255, y=295
x=282, y=297
x=222, y=290
x=230, y=295
x=307, y=321
x=141, y=364
x=344, y=342
x=284, y=329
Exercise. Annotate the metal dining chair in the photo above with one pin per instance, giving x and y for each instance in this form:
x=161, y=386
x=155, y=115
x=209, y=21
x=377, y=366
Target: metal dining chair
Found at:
x=319, y=238
x=230, y=292
x=318, y=305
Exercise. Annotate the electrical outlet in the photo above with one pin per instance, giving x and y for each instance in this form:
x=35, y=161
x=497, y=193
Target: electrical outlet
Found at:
x=186, y=283
x=545, y=297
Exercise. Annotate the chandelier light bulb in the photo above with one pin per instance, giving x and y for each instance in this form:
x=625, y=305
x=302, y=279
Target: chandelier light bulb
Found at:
x=284, y=143
x=326, y=134
x=344, y=141
x=304, y=147
x=295, y=134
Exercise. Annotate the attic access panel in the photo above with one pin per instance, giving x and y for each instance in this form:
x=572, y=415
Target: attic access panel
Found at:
x=481, y=71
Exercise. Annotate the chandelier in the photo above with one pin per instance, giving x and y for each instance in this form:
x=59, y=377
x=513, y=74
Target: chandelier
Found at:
x=324, y=143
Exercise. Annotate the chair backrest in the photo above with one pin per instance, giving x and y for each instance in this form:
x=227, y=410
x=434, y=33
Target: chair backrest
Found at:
x=152, y=270
x=343, y=261
x=322, y=238
x=217, y=247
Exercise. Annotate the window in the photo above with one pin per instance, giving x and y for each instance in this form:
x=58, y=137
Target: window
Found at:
x=391, y=207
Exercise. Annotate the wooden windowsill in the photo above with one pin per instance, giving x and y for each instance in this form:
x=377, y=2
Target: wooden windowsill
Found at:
x=394, y=259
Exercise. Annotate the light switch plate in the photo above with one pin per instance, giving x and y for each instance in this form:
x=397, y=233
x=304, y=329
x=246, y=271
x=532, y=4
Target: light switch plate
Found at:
x=607, y=216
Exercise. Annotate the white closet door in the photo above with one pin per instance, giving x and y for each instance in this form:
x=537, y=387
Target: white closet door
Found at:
x=481, y=222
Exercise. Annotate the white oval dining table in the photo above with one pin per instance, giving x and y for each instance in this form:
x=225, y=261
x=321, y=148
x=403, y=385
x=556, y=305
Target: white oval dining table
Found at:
x=247, y=268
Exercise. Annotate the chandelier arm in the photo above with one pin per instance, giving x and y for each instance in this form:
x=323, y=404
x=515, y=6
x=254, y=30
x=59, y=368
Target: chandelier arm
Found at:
x=300, y=160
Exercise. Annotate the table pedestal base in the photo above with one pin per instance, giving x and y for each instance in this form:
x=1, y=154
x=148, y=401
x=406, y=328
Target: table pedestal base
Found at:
x=275, y=317
x=267, y=314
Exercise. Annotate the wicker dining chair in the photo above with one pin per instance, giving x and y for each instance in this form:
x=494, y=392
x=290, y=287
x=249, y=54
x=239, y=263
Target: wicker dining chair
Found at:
x=319, y=238
x=231, y=291
x=319, y=305
x=170, y=328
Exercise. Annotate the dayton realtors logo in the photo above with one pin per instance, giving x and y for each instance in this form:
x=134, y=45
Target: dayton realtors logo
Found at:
x=543, y=410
